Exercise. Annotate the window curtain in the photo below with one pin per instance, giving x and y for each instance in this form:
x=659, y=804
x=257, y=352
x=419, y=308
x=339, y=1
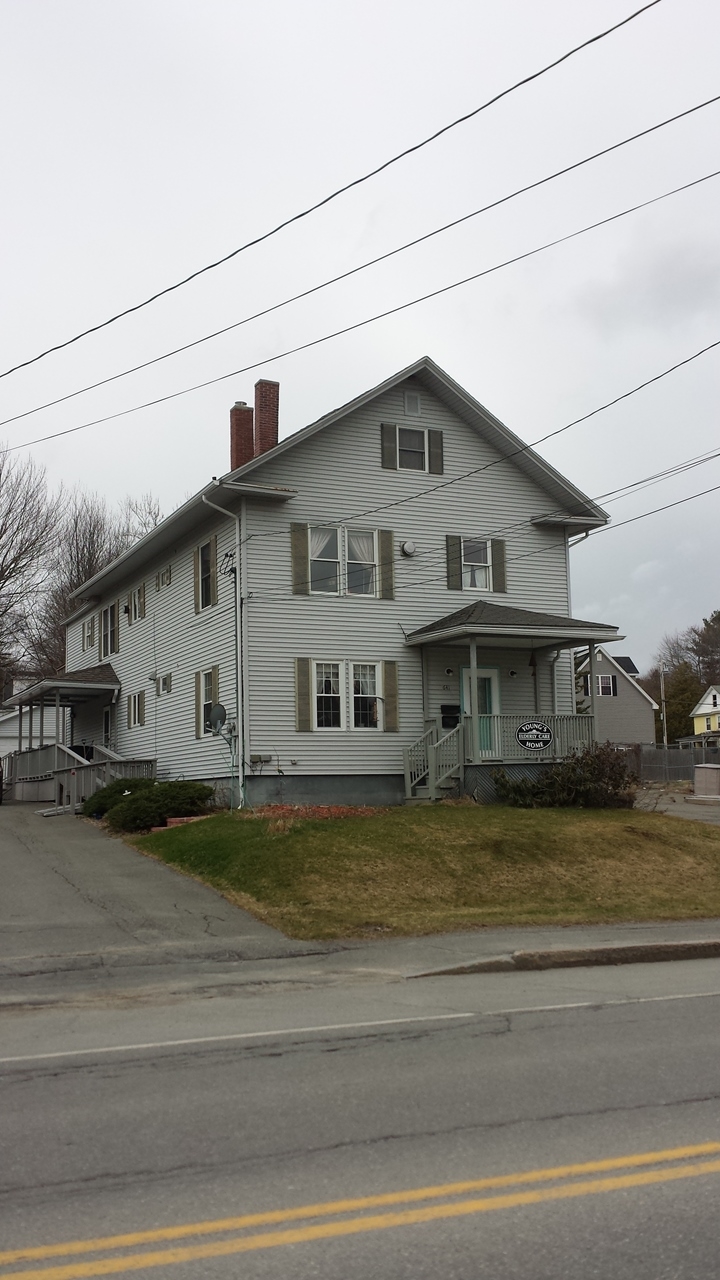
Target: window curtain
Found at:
x=361, y=546
x=323, y=544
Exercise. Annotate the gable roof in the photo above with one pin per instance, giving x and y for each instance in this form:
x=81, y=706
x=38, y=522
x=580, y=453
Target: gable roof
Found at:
x=571, y=507
x=572, y=503
x=619, y=664
x=705, y=703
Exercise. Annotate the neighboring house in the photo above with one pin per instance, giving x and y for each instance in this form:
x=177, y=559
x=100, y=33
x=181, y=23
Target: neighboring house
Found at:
x=624, y=712
x=10, y=730
x=706, y=715
x=380, y=601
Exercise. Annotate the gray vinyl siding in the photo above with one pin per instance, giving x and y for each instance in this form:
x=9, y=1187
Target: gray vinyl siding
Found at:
x=627, y=718
x=170, y=639
x=338, y=473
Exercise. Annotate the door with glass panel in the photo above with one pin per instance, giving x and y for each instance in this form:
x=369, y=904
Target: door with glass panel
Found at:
x=488, y=687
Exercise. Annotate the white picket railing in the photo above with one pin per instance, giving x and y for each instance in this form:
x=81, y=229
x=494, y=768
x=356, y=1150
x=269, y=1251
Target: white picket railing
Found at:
x=417, y=760
x=446, y=757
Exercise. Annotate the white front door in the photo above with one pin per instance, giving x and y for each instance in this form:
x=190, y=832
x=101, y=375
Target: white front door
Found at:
x=488, y=705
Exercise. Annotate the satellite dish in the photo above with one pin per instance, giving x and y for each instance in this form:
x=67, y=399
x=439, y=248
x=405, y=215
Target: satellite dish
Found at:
x=218, y=716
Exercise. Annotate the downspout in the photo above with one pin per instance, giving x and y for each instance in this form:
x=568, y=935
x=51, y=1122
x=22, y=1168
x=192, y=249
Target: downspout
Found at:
x=239, y=684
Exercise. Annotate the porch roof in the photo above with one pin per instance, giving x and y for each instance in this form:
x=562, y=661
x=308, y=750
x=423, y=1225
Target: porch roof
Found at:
x=74, y=687
x=492, y=625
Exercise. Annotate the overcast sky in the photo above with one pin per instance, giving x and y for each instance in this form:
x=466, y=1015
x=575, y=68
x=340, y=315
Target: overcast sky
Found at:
x=142, y=140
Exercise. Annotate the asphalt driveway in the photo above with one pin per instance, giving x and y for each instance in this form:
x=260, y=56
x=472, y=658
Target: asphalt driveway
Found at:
x=69, y=890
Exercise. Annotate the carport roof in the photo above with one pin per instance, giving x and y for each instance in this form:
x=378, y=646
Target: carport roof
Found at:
x=74, y=687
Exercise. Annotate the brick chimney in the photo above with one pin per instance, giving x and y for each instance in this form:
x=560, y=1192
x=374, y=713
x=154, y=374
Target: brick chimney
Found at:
x=267, y=400
x=242, y=443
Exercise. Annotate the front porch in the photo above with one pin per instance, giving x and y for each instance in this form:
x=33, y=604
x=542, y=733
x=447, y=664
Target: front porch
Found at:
x=498, y=689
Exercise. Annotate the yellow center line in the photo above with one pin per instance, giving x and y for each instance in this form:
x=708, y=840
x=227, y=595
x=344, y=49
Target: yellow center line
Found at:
x=334, y=1207
x=355, y=1226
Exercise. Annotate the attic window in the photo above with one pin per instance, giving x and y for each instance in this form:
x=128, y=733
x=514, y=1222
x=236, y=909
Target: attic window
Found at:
x=411, y=449
x=412, y=404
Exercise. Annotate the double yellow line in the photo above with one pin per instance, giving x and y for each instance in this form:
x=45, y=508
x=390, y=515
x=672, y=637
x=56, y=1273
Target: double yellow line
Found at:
x=570, y=1181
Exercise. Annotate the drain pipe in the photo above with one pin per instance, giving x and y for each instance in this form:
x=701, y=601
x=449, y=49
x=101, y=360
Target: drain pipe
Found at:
x=239, y=683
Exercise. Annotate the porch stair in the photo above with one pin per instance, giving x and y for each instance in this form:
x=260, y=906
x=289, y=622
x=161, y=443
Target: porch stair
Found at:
x=433, y=765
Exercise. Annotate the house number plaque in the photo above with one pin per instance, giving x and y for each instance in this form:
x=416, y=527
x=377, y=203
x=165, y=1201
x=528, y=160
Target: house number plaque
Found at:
x=534, y=735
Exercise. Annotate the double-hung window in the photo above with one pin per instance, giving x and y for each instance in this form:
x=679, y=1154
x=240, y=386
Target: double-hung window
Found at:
x=109, y=631
x=207, y=700
x=361, y=562
x=343, y=561
x=205, y=576
x=325, y=559
x=136, y=709
x=365, y=700
x=476, y=564
x=328, y=697
x=88, y=633
x=412, y=449
x=607, y=686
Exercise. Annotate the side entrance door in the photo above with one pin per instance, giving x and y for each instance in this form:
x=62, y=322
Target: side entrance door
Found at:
x=488, y=705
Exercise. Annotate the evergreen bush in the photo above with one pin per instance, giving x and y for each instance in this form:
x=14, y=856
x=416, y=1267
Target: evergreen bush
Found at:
x=153, y=808
x=97, y=806
x=597, y=778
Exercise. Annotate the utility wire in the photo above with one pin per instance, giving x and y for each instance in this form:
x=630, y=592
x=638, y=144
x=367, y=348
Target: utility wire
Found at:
x=495, y=462
x=410, y=244
x=436, y=553
x=174, y=395
x=334, y=194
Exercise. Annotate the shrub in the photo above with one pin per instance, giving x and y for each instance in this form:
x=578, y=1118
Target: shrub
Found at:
x=97, y=806
x=598, y=778
x=165, y=800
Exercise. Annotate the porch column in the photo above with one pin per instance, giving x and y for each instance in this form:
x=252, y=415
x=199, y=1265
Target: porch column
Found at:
x=20, y=711
x=592, y=668
x=474, y=704
x=57, y=724
x=41, y=728
x=31, y=709
x=553, y=677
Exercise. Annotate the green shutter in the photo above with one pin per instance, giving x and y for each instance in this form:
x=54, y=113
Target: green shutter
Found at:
x=198, y=705
x=300, y=559
x=435, y=453
x=141, y=599
x=386, y=552
x=129, y=609
x=390, y=691
x=499, y=577
x=303, y=695
x=215, y=685
x=117, y=627
x=453, y=551
x=196, y=578
x=388, y=446
x=129, y=711
x=141, y=707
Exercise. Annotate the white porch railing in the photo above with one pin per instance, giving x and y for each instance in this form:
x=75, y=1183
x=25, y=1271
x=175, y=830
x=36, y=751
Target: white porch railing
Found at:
x=436, y=757
x=496, y=738
x=38, y=762
x=67, y=776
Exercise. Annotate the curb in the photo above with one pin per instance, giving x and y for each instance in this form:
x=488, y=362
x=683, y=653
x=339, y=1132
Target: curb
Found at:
x=161, y=954
x=583, y=957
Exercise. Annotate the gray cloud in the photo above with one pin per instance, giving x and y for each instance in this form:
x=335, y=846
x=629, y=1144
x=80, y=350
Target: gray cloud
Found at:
x=656, y=288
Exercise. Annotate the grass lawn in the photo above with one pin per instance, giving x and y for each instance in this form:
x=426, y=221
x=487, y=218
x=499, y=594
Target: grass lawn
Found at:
x=445, y=867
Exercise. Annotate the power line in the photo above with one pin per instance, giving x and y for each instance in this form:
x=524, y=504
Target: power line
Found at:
x=410, y=244
x=436, y=553
x=174, y=395
x=444, y=484
x=334, y=194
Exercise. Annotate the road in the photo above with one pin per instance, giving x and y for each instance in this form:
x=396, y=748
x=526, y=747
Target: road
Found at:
x=542, y=1125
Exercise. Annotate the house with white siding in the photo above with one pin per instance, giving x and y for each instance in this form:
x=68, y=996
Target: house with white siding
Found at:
x=379, y=606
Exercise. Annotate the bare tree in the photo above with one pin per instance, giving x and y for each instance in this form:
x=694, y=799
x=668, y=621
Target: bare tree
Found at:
x=91, y=536
x=29, y=525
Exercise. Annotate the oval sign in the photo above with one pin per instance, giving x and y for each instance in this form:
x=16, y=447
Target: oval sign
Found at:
x=534, y=735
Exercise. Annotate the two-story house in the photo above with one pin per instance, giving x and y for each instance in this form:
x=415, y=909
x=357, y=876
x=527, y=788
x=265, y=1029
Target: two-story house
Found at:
x=624, y=712
x=706, y=715
x=380, y=602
